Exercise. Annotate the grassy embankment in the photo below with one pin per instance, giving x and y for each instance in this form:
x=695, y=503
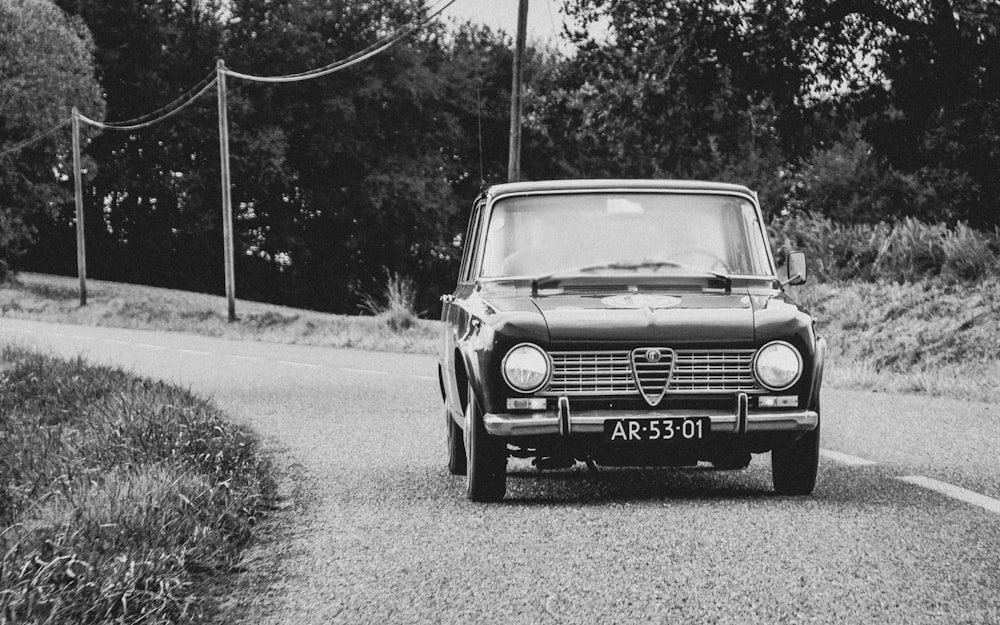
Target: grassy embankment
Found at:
x=931, y=336
x=56, y=299
x=121, y=500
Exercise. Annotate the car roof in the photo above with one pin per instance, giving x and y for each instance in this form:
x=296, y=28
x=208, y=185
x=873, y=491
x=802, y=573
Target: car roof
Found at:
x=508, y=188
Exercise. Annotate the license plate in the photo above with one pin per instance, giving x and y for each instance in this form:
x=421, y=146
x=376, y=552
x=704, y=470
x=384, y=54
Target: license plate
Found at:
x=651, y=430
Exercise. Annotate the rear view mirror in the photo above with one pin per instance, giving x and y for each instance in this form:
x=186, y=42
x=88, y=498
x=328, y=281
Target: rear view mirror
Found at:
x=795, y=268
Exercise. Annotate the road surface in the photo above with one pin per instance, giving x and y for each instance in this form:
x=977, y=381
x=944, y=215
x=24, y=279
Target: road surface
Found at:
x=904, y=526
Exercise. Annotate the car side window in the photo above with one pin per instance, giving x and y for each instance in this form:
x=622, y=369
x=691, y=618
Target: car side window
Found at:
x=469, y=244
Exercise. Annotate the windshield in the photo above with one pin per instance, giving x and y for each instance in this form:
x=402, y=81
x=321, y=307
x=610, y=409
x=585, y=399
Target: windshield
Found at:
x=538, y=235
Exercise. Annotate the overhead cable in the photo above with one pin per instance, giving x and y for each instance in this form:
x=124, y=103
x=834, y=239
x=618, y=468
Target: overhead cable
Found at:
x=178, y=101
x=363, y=55
x=150, y=122
x=38, y=137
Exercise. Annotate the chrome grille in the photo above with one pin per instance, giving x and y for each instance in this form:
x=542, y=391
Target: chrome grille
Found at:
x=710, y=371
x=603, y=373
x=591, y=373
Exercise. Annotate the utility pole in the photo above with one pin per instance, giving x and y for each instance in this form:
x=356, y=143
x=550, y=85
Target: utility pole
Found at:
x=81, y=252
x=227, y=199
x=514, y=158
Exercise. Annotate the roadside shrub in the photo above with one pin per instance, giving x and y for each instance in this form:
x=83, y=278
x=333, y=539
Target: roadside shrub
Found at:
x=970, y=254
x=120, y=498
x=835, y=250
x=906, y=251
x=397, y=306
x=912, y=251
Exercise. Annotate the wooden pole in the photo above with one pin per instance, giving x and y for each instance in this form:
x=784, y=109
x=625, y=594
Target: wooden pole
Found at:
x=514, y=158
x=227, y=200
x=81, y=251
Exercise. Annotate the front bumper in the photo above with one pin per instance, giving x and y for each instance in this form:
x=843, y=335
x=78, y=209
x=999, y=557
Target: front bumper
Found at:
x=566, y=422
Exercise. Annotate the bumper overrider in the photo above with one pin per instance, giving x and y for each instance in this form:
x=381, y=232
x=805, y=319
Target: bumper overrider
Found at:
x=567, y=422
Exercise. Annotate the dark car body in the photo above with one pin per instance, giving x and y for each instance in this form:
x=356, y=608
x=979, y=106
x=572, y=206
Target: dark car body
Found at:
x=632, y=351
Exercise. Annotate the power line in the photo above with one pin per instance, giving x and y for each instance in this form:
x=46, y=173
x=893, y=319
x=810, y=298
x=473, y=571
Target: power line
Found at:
x=150, y=122
x=179, y=101
x=37, y=137
x=363, y=55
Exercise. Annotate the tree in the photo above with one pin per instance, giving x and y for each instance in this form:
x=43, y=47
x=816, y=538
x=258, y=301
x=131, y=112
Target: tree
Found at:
x=927, y=94
x=365, y=170
x=684, y=89
x=152, y=206
x=46, y=68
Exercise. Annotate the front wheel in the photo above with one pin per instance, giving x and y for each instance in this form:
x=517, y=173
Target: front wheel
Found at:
x=456, y=446
x=794, y=466
x=486, y=471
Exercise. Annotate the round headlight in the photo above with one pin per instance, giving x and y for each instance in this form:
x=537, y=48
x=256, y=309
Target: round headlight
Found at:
x=778, y=365
x=526, y=368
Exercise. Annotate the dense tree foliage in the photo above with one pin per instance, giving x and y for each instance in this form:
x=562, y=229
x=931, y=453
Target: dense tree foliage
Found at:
x=863, y=111
x=46, y=68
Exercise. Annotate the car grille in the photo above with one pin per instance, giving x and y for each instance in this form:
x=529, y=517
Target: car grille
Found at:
x=600, y=373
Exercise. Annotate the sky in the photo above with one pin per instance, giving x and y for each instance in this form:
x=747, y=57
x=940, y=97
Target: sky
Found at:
x=544, y=18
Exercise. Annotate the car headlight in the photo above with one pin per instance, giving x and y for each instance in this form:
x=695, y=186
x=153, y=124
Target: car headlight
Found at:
x=778, y=365
x=526, y=368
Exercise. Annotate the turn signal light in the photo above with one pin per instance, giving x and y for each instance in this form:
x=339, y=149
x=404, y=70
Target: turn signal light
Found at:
x=778, y=401
x=526, y=403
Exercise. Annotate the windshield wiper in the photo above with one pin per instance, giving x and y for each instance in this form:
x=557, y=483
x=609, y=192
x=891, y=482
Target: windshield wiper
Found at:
x=644, y=264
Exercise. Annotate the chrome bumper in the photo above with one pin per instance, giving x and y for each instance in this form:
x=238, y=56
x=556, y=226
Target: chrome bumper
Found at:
x=567, y=423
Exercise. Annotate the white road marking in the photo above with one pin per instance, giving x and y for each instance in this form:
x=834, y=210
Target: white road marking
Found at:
x=297, y=364
x=192, y=351
x=423, y=377
x=848, y=459
x=363, y=371
x=237, y=356
x=955, y=492
x=150, y=346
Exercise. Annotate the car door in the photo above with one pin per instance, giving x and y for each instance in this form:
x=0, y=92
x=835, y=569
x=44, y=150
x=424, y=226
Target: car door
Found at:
x=454, y=313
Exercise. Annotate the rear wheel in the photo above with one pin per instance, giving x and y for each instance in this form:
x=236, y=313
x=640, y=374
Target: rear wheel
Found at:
x=794, y=466
x=456, y=446
x=486, y=470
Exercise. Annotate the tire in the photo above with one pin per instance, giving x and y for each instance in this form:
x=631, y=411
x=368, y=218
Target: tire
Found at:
x=456, y=446
x=794, y=466
x=486, y=467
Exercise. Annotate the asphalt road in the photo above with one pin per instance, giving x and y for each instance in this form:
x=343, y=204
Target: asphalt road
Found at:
x=380, y=533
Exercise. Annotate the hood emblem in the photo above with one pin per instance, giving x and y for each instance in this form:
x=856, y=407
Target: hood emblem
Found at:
x=652, y=368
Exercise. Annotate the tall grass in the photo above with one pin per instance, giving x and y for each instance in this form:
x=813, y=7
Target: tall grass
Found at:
x=906, y=251
x=396, y=308
x=120, y=498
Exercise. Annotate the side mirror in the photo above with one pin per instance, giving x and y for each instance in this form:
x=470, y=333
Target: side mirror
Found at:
x=795, y=268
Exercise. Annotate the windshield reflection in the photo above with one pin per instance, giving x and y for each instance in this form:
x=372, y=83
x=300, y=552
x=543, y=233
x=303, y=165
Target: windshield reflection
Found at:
x=646, y=232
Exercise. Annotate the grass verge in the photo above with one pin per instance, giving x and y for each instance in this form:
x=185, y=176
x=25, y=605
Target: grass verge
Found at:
x=931, y=337
x=122, y=500
x=56, y=299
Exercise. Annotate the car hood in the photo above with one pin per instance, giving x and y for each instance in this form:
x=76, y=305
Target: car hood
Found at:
x=674, y=318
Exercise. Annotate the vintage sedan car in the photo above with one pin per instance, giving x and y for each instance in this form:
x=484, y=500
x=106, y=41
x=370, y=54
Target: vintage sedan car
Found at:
x=627, y=323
